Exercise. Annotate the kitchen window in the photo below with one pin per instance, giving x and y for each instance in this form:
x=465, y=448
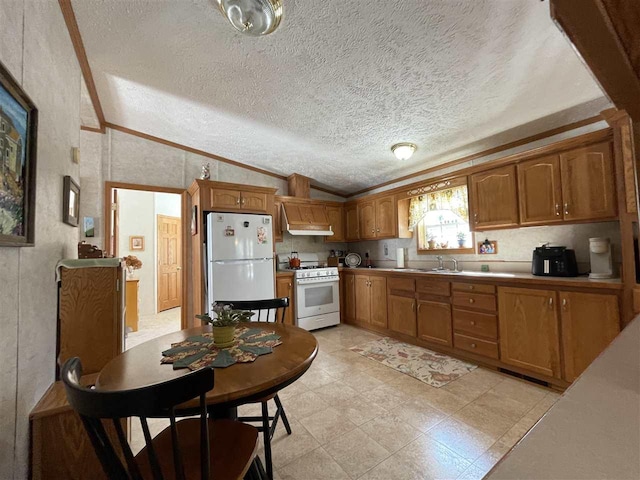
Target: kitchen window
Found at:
x=440, y=218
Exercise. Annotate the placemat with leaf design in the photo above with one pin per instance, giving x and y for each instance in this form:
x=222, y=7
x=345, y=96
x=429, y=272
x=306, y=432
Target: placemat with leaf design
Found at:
x=199, y=351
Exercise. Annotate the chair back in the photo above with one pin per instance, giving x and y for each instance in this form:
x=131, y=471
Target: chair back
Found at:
x=263, y=308
x=157, y=400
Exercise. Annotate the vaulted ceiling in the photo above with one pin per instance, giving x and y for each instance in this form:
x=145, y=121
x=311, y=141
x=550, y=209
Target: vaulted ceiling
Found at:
x=339, y=82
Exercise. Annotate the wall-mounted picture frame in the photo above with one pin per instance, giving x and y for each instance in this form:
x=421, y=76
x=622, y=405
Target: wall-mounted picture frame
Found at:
x=488, y=247
x=136, y=242
x=89, y=227
x=70, y=201
x=18, y=134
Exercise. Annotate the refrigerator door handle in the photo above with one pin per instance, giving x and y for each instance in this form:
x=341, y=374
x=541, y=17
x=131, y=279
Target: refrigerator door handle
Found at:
x=244, y=260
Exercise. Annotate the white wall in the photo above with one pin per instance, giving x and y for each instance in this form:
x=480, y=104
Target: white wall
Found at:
x=35, y=47
x=515, y=247
x=137, y=215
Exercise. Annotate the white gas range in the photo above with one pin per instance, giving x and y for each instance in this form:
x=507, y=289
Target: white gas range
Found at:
x=317, y=293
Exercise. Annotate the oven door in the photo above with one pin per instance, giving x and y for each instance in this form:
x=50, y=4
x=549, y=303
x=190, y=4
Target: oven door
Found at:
x=317, y=296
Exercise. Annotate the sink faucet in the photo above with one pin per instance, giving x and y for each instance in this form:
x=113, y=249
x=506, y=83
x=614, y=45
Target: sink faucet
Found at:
x=455, y=264
x=440, y=259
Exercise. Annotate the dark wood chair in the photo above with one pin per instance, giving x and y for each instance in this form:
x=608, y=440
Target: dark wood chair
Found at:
x=271, y=310
x=192, y=448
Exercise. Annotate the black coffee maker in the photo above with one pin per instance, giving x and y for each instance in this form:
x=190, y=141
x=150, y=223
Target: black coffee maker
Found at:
x=554, y=262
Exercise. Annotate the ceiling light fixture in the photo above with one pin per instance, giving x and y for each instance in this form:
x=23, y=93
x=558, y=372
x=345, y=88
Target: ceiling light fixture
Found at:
x=252, y=17
x=403, y=151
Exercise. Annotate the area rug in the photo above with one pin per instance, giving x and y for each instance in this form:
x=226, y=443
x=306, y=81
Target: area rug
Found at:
x=432, y=368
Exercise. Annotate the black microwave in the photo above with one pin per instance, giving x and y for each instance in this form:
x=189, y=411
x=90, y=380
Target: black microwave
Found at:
x=554, y=262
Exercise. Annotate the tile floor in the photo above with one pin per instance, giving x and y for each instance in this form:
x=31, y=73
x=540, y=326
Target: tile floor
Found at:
x=353, y=418
x=152, y=326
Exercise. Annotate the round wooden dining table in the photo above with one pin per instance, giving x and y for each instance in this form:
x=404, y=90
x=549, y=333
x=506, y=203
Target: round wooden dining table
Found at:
x=234, y=385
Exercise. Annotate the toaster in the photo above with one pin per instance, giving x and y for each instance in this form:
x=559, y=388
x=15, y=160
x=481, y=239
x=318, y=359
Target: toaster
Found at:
x=554, y=262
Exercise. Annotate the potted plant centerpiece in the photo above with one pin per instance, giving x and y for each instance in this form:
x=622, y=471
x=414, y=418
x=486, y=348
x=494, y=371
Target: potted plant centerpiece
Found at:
x=223, y=326
x=461, y=238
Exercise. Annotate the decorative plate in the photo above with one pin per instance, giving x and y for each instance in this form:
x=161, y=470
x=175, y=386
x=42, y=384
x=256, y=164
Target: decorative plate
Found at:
x=352, y=260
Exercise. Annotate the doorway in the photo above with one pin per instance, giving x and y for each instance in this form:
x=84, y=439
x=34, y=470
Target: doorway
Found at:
x=146, y=222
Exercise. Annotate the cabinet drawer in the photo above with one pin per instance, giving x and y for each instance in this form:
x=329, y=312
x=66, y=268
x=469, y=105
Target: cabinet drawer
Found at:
x=475, y=323
x=401, y=286
x=475, y=301
x=475, y=345
x=433, y=287
x=474, y=287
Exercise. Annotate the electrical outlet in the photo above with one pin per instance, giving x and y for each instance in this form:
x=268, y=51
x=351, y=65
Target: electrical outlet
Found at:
x=386, y=250
x=484, y=268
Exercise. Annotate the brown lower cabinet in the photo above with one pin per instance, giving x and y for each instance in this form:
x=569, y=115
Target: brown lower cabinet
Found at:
x=549, y=334
x=284, y=288
x=589, y=321
x=434, y=322
x=529, y=336
x=402, y=314
x=371, y=300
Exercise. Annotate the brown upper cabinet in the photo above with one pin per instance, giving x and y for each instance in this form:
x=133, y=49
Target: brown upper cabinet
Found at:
x=303, y=214
x=494, y=198
x=351, y=222
x=230, y=197
x=377, y=218
x=574, y=185
x=588, y=186
x=540, y=191
x=336, y=219
x=277, y=221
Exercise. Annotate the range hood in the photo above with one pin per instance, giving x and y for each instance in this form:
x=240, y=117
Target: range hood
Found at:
x=305, y=218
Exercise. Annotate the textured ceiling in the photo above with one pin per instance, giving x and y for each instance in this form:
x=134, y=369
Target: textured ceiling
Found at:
x=338, y=83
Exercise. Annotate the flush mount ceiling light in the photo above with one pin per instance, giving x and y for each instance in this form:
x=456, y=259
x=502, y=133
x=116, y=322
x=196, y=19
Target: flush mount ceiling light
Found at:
x=252, y=17
x=403, y=151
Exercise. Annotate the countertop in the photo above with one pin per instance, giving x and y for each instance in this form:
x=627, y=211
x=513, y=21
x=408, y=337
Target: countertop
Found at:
x=500, y=277
x=593, y=430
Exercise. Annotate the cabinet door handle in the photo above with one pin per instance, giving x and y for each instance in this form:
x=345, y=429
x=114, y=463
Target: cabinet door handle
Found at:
x=557, y=209
x=564, y=303
x=475, y=217
x=473, y=345
x=566, y=209
x=238, y=201
x=550, y=302
x=471, y=300
x=289, y=285
x=377, y=229
x=470, y=287
x=413, y=306
x=242, y=200
x=472, y=322
x=419, y=305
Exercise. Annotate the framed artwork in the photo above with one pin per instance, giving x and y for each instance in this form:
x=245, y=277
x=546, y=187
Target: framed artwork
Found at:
x=70, y=202
x=18, y=133
x=89, y=227
x=488, y=247
x=136, y=242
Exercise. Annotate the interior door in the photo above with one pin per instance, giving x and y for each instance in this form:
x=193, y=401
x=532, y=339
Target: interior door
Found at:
x=169, y=256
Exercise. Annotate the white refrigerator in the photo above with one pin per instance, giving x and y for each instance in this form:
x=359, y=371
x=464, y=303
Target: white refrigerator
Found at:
x=239, y=257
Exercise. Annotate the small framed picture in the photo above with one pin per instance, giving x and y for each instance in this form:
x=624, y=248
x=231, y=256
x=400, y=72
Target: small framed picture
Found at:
x=70, y=202
x=488, y=247
x=136, y=242
x=89, y=227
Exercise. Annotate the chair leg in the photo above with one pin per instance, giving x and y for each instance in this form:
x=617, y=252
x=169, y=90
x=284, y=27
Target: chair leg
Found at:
x=267, y=440
x=282, y=414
